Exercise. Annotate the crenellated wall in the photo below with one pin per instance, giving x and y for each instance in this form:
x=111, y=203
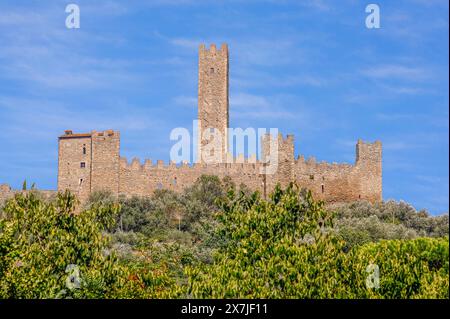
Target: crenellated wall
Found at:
x=91, y=161
x=104, y=169
x=7, y=192
x=144, y=179
x=330, y=182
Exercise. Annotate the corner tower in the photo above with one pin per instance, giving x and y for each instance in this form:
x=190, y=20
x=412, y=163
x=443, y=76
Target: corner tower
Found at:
x=88, y=162
x=74, y=163
x=213, y=95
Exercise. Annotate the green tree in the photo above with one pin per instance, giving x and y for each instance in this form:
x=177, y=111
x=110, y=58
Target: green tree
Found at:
x=415, y=268
x=285, y=248
x=280, y=248
x=51, y=250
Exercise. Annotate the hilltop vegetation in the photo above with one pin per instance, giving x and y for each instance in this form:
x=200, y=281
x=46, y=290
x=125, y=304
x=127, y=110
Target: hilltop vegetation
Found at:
x=219, y=240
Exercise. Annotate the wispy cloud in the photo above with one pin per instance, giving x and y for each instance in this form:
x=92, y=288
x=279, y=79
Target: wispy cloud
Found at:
x=396, y=71
x=188, y=101
x=436, y=120
x=249, y=101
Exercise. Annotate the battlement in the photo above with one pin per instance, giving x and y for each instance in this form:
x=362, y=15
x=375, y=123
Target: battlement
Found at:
x=213, y=49
x=104, y=133
x=368, y=152
x=280, y=137
x=149, y=165
x=70, y=134
x=312, y=163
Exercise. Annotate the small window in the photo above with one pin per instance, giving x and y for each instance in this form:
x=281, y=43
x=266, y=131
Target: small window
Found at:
x=211, y=130
x=323, y=189
x=81, y=181
x=311, y=177
x=82, y=165
x=84, y=150
x=211, y=70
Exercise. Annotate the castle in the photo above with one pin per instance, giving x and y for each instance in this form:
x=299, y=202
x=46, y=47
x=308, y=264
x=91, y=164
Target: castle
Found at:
x=89, y=162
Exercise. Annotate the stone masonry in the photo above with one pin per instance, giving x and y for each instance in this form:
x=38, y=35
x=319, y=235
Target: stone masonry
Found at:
x=91, y=162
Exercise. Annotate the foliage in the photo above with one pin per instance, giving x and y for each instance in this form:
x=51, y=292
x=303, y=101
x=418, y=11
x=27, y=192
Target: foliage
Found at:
x=50, y=250
x=362, y=230
x=418, y=223
x=39, y=240
x=407, y=269
x=280, y=248
x=284, y=248
x=218, y=240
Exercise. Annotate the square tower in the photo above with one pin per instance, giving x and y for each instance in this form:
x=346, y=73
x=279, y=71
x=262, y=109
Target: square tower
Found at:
x=89, y=162
x=213, y=106
x=74, y=163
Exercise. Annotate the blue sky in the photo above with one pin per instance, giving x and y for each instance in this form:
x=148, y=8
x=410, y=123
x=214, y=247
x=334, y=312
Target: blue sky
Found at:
x=310, y=68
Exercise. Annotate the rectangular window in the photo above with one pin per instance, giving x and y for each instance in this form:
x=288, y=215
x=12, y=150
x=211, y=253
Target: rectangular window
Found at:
x=82, y=164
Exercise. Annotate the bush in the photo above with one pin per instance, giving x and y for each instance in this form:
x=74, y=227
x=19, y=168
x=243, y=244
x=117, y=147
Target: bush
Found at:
x=40, y=240
x=361, y=230
x=285, y=248
x=407, y=269
x=362, y=222
x=52, y=250
x=281, y=248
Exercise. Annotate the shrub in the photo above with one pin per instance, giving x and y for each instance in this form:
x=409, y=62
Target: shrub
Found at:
x=279, y=248
x=285, y=248
x=52, y=250
x=407, y=268
x=39, y=240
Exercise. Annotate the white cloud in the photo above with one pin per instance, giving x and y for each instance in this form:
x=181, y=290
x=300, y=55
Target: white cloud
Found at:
x=250, y=101
x=396, y=71
x=190, y=44
x=188, y=101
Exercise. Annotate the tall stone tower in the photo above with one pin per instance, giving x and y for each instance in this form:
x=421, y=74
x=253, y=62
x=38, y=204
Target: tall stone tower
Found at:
x=212, y=100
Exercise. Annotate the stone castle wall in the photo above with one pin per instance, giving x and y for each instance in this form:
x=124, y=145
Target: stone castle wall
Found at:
x=91, y=162
x=7, y=192
x=143, y=180
x=330, y=182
